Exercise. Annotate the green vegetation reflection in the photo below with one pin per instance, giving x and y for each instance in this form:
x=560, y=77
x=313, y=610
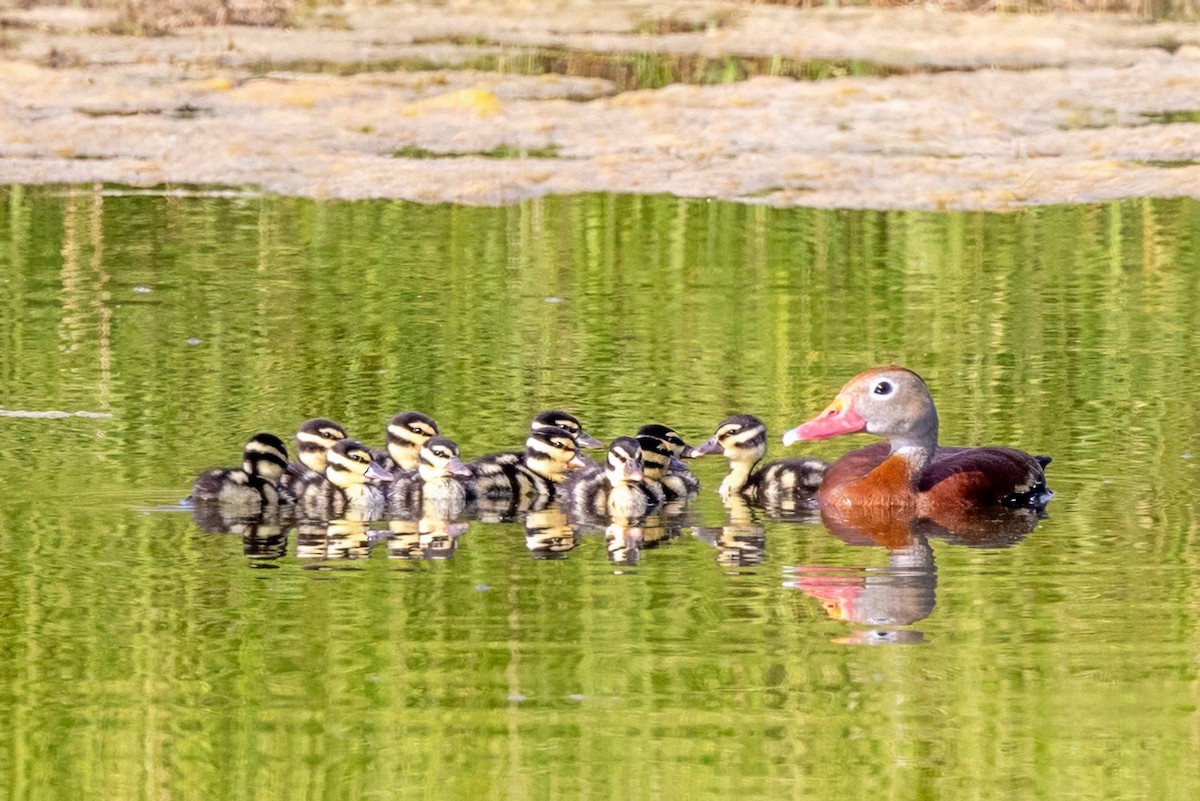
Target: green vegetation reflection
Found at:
x=143, y=657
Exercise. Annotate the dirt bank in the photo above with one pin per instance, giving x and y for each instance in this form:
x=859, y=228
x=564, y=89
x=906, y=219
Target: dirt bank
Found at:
x=426, y=102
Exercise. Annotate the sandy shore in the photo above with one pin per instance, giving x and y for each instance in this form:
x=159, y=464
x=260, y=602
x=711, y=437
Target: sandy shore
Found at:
x=967, y=112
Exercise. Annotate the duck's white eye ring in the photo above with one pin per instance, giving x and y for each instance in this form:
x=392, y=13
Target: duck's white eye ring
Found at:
x=883, y=388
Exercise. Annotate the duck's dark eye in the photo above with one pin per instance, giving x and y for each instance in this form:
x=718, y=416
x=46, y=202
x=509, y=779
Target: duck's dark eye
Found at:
x=883, y=388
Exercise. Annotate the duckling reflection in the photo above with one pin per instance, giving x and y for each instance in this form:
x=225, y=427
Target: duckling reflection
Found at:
x=337, y=540
x=263, y=538
x=549, y=533
x=265, y=543
x=740, y=543
x=425, y=539
x=624, y=544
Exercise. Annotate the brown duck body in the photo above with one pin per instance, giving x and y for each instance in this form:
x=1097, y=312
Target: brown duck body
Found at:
x=911, y=472
x=957, y=477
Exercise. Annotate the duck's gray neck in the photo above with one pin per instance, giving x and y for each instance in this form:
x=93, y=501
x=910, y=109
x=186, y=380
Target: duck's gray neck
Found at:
x=917, y=447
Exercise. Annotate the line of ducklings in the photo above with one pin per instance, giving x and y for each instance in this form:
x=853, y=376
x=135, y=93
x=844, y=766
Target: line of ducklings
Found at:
x=422, y=472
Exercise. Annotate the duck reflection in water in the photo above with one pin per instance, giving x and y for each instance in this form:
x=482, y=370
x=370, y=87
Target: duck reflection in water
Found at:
x=263, y=538
x=883, y=601
x=624, y=544
x=549, y=533
x=742, y=542
x=337, y=540
x=429, y=538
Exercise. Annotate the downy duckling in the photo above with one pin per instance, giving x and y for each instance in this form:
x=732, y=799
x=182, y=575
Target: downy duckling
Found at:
x=551, y=418
x=743, y=439
x=441, y=479
x=347, y=489
x=550, y=454
x=659, y=441
x=617, y=491
x=406, y=435
x=251, y=489
x=313, y=440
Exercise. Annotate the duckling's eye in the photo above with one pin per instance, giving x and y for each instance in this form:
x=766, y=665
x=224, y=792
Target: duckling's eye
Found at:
x=883, y=388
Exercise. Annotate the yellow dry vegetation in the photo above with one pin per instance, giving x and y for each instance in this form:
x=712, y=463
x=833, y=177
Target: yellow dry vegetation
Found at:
x=480, y=101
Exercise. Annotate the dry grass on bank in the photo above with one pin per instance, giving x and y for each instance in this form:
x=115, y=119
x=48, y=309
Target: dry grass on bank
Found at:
x=156, y=17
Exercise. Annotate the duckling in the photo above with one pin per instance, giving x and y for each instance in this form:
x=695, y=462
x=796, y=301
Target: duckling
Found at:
x=617, y=490
x=551, y=418
x=659, y=441
x=743, y=439
x=656, y=458
x=251, y=489
x=347, y=489
x=550, y=454
x=406, y=434
x=440, y=480
x=313, y=440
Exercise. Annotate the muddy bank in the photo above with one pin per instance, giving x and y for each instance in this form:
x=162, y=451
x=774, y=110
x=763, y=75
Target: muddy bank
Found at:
x=914, y=109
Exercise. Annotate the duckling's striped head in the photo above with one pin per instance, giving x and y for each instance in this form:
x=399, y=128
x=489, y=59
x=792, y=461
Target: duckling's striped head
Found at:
x=742, y=438
x=550, y=452
x=440, y=459
x=266, y=457
x=314, y=439
x=556, y=418
x=667, y=435
x=656, y=455
x=351, y=462
x=406, y=434
x=624, y=461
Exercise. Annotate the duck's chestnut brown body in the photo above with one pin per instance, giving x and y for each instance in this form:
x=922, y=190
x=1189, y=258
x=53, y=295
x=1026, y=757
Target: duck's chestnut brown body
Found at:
x=910, y=472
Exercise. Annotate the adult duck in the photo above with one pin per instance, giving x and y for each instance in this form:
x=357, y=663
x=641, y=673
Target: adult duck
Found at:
x=910, y=472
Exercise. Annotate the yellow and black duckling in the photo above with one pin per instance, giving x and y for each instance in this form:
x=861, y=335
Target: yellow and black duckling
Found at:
x=313, y=440
x=348, y=489
x=441, y=480
x=250, y=489
x=662, y=449
x=743, y=439
x=550, y=454
x=406, y=435
x=617, y=490
x=551, y=418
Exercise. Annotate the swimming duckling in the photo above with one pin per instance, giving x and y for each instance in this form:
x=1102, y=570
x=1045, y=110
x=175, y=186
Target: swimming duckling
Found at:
x=441, y=480
x=551, y=418
x=662, y=449
x=743, y=439
x=617, y=490
x=251, y=489
x=313, y=440
x=550, y=454
x=406, y=434
x=347, y=489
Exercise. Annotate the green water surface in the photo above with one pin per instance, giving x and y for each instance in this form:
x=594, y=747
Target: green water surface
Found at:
x=143, y=657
